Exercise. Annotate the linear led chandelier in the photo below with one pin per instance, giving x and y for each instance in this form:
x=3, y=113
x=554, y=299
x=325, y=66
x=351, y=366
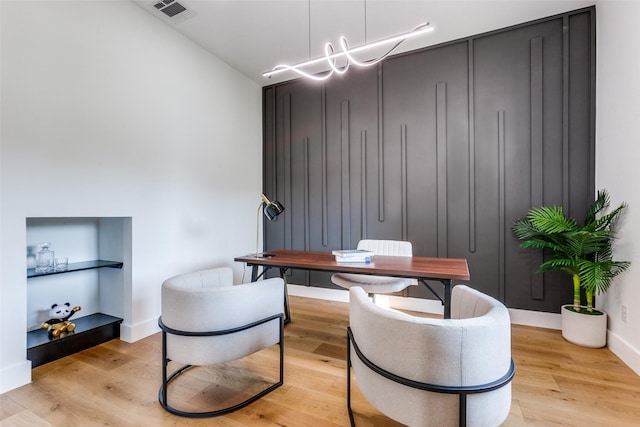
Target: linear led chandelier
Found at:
x=330, y=55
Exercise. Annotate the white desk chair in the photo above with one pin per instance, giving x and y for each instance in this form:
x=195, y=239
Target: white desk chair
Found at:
x=378, y=284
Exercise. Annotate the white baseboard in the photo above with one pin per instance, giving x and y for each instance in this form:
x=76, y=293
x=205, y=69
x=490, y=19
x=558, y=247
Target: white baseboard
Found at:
x=622, y=349
x=413, y=304
x=340, y=295
x=129, y=333
x=539, y=319
x=15, y=376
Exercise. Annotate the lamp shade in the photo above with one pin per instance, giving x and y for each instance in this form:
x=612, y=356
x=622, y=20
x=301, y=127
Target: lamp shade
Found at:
x=273, y=209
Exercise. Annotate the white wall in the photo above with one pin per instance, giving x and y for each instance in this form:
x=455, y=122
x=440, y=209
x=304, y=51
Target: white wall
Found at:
x=106, y=111
x=617, y=160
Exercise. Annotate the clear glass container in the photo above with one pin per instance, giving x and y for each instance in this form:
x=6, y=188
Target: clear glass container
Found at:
x=31, y=256
x=44, y=259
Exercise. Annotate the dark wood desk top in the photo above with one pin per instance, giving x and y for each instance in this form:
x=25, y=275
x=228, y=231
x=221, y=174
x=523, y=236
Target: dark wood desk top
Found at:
x=400, y=266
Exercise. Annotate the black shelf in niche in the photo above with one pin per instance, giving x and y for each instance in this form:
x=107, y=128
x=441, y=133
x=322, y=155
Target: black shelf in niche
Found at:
x=90, y=331
x=77, y=266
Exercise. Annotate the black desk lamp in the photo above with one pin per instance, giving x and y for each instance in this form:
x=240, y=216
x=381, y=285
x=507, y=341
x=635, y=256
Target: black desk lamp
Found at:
x=271, y=210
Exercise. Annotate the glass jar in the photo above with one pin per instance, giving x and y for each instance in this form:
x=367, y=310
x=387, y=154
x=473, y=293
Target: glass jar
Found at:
x=44, y=259
x=31, y=256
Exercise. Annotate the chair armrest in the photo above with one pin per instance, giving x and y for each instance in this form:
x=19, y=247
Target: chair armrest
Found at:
x=210, y=309
x=211, y=278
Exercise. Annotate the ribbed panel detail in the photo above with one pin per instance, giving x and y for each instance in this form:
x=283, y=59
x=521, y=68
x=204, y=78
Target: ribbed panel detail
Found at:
x=387, y=247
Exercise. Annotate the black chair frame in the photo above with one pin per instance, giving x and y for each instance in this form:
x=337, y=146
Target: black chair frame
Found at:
x=462, y=391
x=163, y=392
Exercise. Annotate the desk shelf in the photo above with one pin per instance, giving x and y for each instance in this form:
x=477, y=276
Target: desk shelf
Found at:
x=90, y=331
x=77, y=266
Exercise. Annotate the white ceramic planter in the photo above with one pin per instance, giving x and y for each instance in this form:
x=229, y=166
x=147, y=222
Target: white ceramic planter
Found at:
x=584, y=329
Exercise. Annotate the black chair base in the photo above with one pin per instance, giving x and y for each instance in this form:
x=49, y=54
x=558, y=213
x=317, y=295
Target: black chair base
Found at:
x=207, y=414
x=163, y=392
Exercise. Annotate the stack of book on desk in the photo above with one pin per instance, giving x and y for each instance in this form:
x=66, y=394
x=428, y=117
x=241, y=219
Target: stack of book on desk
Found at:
x=352, y=255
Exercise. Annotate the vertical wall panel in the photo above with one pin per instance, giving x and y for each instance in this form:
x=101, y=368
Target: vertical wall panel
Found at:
x=581, y=110
x=287, y=168
x=381, y=199
x=323, y=161
x=441, y=149
x=565, y=111
x=273, y=166
x=345, y=173
x=501, y=201
x=380, y=147
x=589, y=58
x=520, y=72
x=307, y=221
x=403, y=182
x=537, y=160
x=270, y=163
x=536, y=122
x=306, y=197
x=363, y=184
x=472, y=150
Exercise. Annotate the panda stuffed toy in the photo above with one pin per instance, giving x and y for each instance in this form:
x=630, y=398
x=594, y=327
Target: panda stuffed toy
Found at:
x=59, y=325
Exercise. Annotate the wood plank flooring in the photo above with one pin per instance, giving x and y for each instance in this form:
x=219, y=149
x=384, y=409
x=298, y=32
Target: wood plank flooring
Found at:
x=116, y=383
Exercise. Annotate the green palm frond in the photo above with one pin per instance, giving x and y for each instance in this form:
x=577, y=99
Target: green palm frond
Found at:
x=606, y=222
x=596, y=276
x=601, y=203
x=541, y=244
x=523, y=229
x=605, y=253
x=567, y=265
x=584, y=244
x=550, y=219
x=618, y=267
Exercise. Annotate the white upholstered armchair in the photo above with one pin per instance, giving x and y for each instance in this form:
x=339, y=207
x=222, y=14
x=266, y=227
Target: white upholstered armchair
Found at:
x=433, y=372
x=207, y=320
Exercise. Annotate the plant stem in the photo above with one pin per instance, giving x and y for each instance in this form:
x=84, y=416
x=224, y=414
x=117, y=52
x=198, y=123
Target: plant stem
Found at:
x=576, y=292
x=589, y=301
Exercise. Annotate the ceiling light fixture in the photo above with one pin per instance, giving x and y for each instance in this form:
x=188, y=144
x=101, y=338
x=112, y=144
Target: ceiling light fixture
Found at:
x=330, y=55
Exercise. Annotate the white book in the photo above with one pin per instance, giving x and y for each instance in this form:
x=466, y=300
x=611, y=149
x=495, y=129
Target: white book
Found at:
x=356, y=253
x=353, y=259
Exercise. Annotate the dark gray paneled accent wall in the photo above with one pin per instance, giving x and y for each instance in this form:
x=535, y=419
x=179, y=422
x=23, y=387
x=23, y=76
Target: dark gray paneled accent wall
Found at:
x=444, y=147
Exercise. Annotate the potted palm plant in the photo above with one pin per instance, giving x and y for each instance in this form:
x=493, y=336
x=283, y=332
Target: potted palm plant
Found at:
x=585, y=252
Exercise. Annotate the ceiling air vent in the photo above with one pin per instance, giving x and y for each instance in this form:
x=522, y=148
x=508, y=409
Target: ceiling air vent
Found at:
x=172, y=8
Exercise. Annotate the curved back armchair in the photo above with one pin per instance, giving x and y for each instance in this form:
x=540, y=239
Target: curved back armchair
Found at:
x=378, y=284
x=207, y=320
x=433, y=372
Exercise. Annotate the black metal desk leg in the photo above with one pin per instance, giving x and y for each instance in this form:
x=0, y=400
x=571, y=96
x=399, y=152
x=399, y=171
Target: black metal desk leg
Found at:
x=255, y=276
x=287, y=314
x=447, y=298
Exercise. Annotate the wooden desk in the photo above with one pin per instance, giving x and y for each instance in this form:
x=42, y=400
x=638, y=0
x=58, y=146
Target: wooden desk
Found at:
x=445, y=270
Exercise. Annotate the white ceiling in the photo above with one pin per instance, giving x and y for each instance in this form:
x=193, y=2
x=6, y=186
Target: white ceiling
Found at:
x=254, y=35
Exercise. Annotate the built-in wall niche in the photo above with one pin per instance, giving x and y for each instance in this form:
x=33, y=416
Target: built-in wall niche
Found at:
x=97, y=279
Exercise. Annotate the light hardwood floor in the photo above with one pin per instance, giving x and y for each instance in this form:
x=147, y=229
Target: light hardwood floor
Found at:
x=116, y=384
